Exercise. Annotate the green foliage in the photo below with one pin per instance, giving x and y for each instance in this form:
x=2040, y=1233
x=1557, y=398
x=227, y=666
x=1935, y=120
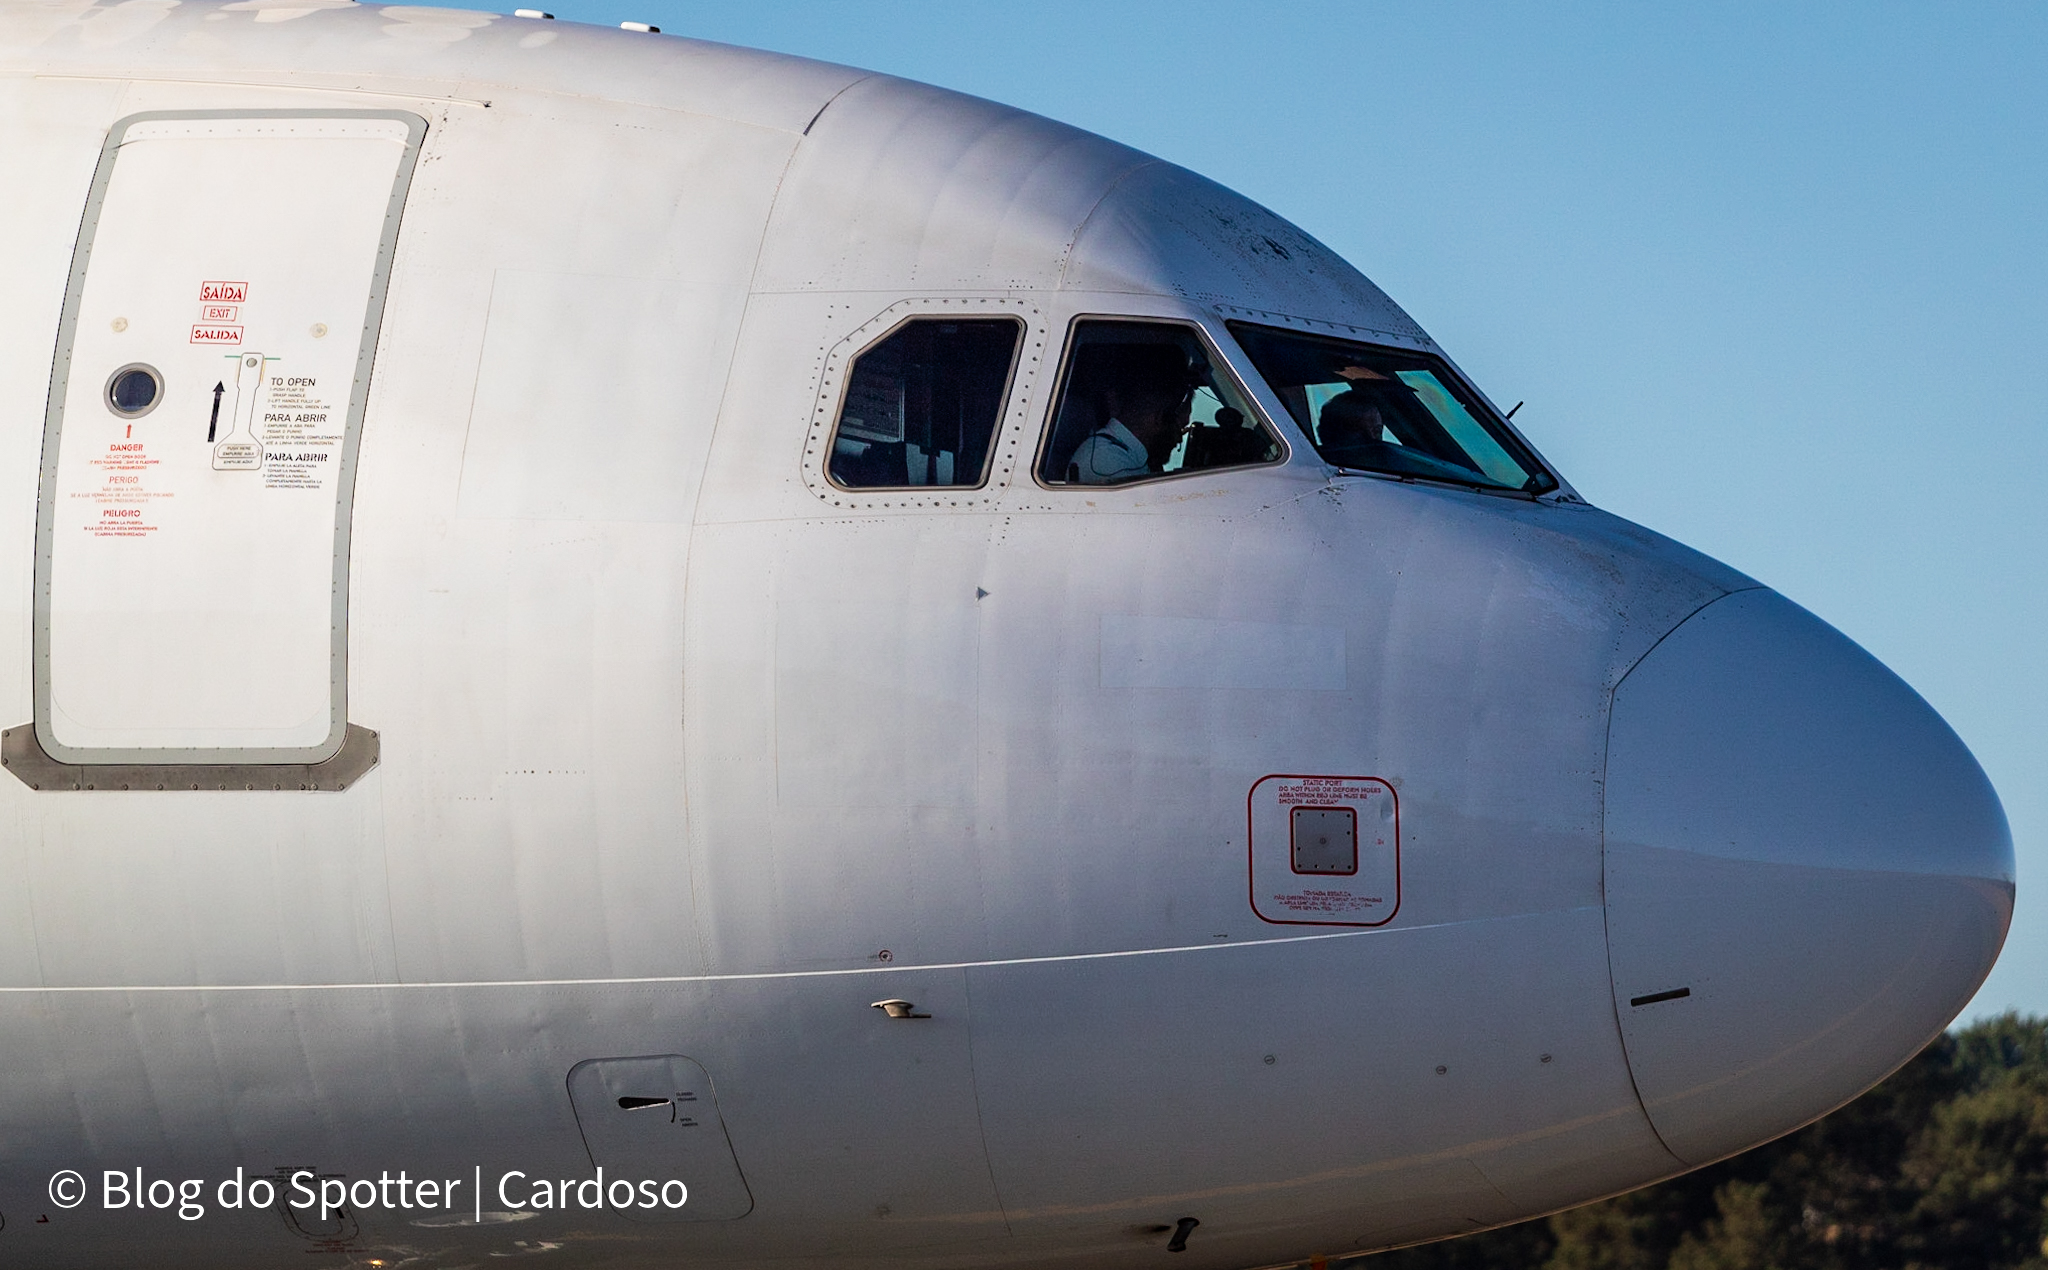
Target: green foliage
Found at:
x=1618, y=1235
x=1744, y=1234
x=1942, y=1167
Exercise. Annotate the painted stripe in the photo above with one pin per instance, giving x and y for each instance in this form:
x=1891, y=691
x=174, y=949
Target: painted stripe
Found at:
x=793, y=974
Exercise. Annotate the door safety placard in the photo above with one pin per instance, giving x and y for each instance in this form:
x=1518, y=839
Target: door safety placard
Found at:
x=199, y=453
x=1325, y=850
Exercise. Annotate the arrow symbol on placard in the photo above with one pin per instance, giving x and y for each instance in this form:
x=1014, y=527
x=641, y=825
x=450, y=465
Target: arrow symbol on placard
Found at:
x=219, y=387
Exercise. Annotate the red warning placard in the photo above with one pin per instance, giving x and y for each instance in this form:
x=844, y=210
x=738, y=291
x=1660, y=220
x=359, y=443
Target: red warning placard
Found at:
x=223, y=292
x=216, y=333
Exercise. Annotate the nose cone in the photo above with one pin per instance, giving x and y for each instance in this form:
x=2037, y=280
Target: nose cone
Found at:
x=1807, y=874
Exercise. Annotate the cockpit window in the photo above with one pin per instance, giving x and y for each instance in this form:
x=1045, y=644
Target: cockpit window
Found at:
x=1386, y=410
x=1142, y=400
x=922, y=405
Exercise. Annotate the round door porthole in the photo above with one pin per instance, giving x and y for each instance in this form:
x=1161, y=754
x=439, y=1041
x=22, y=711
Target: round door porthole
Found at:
x=134, y=390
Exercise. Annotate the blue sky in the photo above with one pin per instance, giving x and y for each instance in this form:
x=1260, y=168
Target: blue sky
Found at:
x=1772, y=279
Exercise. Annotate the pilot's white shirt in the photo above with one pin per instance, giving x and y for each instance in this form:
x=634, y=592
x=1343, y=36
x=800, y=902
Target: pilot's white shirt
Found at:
x=1110, y=453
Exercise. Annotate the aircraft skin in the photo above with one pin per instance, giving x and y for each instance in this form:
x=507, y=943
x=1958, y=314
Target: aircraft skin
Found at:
x=686, y=755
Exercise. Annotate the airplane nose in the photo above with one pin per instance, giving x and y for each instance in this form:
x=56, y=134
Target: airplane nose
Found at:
x=1807, y=874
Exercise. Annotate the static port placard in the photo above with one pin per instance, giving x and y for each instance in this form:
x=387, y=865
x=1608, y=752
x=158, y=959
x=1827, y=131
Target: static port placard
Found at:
x=1324, y=850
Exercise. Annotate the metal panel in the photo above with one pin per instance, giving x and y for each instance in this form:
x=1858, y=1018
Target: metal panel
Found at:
x=656, y=1119
x=1325, y=840
x=22, y=756
x=594, y=396
x=191, y=600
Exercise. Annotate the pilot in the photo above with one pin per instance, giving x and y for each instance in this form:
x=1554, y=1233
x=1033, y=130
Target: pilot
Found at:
x=1141, y=392
x=1351, y=420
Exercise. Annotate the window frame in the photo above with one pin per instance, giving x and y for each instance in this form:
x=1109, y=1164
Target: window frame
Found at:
x=1488, y=416
x=1217, y=359
x=845, y=386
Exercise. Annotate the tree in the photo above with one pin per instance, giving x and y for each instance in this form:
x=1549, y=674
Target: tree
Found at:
x=1743, y=1235
x=1942, y=1167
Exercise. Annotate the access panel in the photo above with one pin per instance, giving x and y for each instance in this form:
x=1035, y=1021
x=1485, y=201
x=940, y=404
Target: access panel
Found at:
x=655, y=1118
x=212, y=367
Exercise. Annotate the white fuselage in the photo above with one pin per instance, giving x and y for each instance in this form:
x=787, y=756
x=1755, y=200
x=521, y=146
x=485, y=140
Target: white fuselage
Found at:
x=686, y=755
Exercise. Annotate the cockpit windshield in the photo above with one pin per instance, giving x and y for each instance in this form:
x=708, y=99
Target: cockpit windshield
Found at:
x=1387, y=410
